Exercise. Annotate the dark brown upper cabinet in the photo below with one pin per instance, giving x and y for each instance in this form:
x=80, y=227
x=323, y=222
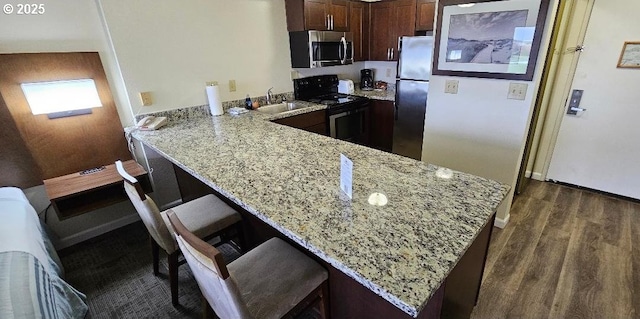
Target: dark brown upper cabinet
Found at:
x=359, y=27
x=426, y=10
x=324, y=15
x=390, y=21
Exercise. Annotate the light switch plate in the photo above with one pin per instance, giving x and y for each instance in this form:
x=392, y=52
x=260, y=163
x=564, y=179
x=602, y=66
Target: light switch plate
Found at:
x=145, y=98
x=232, y=85
x=517, y=91
x=451, y=87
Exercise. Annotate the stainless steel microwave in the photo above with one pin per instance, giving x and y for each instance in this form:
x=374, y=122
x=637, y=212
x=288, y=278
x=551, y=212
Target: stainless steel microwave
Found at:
x=313, y=49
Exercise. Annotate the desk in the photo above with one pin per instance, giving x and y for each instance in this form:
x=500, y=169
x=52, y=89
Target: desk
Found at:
x=75, y=194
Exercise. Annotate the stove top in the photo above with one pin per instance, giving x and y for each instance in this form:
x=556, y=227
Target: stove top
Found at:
x=322, y=89
x=334, y=99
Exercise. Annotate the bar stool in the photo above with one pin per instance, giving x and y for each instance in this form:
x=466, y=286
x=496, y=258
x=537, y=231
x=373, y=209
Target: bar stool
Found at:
x=206, y=217
x=273, y=280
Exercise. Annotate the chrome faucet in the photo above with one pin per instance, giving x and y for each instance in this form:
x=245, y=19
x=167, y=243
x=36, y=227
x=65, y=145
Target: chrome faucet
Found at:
x=269, y=96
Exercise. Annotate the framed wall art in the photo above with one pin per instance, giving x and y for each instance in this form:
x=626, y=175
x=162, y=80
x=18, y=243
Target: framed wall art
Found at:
x=630, y=55
x=489, y=39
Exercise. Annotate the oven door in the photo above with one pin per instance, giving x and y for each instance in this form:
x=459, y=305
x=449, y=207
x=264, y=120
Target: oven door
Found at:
x=351, y=124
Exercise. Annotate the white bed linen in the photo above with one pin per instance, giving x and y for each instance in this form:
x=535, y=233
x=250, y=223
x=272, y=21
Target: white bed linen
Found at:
x=20, y=227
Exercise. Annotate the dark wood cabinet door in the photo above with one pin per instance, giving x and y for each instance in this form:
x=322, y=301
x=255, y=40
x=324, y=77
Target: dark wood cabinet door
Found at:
x=404, y=19
x=315, y=122
x=359, y=26
x=382, y=118
x=316, y=14
x=425, y=15
x=381, y=30
x=339, y=10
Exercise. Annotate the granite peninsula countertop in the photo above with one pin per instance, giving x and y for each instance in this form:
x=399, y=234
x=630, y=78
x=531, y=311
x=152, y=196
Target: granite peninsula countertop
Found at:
x=386, y=95
x=289, y=179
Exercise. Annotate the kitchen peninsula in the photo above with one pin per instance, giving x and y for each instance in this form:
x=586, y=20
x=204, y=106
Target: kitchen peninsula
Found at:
x=398, y=258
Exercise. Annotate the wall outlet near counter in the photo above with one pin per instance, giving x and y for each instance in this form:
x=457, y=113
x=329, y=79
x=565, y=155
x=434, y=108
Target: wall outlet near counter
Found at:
x=145, y=98
x=388, y=72
x=232, y=85
x=294, y=74
x=451, y=86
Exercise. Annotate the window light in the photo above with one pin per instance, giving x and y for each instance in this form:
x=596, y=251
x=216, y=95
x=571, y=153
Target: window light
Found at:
x=62, y=98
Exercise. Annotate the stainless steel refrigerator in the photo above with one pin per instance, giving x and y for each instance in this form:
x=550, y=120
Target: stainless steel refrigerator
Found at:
x=412, y=84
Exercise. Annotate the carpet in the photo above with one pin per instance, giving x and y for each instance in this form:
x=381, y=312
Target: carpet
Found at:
x=114, y=271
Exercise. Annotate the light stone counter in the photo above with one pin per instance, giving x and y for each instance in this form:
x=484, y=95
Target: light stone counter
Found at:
x=386, y=95
x=289, y=179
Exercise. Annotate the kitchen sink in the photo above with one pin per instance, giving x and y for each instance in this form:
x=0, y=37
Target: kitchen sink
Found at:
x=280, y=108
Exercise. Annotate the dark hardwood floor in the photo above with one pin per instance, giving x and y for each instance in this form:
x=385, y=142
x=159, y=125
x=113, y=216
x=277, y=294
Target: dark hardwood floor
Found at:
x=566, y=253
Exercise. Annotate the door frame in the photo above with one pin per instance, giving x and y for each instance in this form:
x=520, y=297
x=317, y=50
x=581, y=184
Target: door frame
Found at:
x=572, y=25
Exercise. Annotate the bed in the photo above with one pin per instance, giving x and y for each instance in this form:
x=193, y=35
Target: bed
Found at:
x=31, y=284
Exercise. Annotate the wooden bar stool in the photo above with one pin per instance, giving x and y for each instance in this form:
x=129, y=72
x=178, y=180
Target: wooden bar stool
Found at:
x=206, y=217
x=273, y=280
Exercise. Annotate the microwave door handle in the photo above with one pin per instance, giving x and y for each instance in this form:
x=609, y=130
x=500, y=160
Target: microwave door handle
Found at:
x=343, y=42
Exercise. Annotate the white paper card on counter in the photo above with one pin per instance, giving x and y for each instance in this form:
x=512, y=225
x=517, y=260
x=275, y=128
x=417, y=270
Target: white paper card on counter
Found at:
x=346, y=174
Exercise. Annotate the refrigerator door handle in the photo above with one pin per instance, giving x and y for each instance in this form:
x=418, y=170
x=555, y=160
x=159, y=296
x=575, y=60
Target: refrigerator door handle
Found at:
x=395, y=111
x=399, y=43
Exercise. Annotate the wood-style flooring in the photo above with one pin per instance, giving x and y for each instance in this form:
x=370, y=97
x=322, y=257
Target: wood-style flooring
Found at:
x=565, y=253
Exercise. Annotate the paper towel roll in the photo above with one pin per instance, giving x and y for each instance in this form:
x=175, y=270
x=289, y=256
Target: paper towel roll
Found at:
x=213, y=95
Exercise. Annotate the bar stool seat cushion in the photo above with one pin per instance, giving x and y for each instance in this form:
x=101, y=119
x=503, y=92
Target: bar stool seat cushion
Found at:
x=274, y=277
x=203, y=216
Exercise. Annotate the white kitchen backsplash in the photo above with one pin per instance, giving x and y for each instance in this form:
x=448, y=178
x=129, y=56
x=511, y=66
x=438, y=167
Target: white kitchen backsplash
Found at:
x=344, y=72
x=383, y=70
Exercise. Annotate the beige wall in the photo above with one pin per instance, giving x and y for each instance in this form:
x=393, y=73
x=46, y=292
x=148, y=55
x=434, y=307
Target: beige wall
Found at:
x=479, y=130
x=172, y=48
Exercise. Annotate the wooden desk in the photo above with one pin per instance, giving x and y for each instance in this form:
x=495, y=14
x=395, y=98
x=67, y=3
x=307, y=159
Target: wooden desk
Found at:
x=75, y=194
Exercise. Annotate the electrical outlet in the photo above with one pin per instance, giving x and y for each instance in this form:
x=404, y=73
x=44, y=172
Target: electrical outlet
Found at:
x=212, y=83
x=294, y=74
x=232, y=85
x=145, y=98
x=451, y=87
x=388, y=73
x=517, y=91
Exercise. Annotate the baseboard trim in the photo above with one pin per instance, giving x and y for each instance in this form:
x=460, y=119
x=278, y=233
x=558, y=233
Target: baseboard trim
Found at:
x=537, y=176
x=501, y=223
x=95, y=231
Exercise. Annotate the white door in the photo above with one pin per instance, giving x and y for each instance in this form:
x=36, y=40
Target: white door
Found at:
x=600, y=147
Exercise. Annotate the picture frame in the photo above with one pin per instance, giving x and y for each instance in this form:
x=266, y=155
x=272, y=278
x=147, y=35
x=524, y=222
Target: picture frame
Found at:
x=489, y=39
x=630, y=55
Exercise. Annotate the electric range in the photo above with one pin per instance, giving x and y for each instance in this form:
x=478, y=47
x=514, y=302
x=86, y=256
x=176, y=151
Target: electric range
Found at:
x=347, y=115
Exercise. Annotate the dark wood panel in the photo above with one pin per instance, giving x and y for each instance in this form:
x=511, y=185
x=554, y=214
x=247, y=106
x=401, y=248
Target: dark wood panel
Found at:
x=304, y=120
x=17, y=166
x=339, y=10
x=65, y=145
x=359, y=26
x=76, y=194
x=315, y=14
x=404, y=18
x=381, y=30
x=382, y=122
x=426, y=10
x=295, y=15
x=462, y=286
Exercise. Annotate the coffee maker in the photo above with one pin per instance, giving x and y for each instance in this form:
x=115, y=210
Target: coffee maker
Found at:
x=366, y=79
